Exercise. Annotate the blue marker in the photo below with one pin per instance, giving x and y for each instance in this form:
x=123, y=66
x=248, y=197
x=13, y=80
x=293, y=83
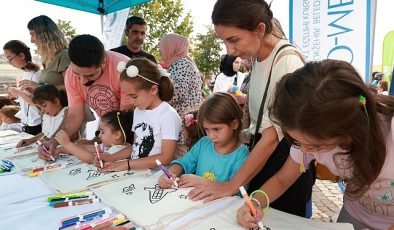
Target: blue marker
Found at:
x=8, y=164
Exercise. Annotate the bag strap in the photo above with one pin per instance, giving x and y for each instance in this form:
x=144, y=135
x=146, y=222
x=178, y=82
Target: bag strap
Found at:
x=261, y=110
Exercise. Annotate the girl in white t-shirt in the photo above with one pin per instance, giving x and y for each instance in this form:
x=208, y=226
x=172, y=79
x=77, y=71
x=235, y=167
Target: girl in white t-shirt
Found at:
x=115, y=135
x=19, y=56
x=53, y=105
x=329, y=115
x=156, y=125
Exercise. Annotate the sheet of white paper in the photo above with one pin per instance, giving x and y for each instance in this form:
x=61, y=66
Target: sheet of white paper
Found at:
x=145, y=203
x=82, y=176
x=32, y=161
x=5, y=133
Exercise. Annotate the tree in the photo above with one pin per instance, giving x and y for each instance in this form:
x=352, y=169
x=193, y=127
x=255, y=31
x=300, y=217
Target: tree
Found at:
x=206, y=52
x=66, y=28
x=163, y=17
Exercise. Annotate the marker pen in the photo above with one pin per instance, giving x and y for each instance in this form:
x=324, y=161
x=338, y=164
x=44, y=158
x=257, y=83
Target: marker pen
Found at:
x=77, y=202
x=166, y=172
x=251, y=206
x=98, y=154
x=45, y=150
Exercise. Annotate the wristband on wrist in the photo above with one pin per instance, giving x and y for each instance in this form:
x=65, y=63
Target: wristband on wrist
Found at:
x=266, y=197
x=256, y=201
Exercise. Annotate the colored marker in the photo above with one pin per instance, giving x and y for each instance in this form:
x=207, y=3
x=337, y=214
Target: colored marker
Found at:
x=65, y=195
x=52, y=203
x=114, y=219
x=98, y=154
x=166, y=172
x=45, y=150
x=77, y=202
x=79, y=223
x=4, y=169
x=251, y=206
x=106, y=212
x=36, y=171
x=8, y=163
x=85, y=215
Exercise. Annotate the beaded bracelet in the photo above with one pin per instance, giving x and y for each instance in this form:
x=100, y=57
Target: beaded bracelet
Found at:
x=266, y=197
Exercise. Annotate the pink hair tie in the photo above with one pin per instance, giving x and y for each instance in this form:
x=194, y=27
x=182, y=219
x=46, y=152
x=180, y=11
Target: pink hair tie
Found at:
x=189, y=120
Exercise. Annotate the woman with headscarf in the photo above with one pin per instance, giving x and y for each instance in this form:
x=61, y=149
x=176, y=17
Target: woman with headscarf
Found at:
x=229, y=75
x=174, y=51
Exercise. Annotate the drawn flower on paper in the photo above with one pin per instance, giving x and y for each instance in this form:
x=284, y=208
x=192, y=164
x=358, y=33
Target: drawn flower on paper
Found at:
x=128, y=190
x=385, y=197
x=75, y=172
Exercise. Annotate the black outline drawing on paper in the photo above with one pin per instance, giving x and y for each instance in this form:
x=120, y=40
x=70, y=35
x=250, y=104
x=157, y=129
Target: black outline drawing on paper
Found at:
x=156, y=193
x=95, y=173
x=114, y=176
x=128, y=190
x=75, y=172
x=128, y=173
x=183, y=196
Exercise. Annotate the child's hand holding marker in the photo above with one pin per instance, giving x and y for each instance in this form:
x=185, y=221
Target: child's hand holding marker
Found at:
x=98, y=155
x=170, y=178
x=44, y=152
x=248, y=215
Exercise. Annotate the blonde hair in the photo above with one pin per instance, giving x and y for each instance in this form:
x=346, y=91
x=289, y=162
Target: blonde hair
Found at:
x=9, y=111
x=49, y=39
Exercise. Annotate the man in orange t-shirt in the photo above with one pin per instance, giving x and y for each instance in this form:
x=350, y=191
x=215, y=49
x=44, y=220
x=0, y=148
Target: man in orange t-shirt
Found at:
x=92, y=78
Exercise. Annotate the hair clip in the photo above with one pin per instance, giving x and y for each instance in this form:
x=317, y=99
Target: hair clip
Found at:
x=163, y=72
x=132, y=71
x=189, y=120
x=363, y=102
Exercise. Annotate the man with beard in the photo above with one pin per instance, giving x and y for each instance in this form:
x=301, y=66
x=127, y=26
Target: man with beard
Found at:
x=136, y=32
x=93, y=79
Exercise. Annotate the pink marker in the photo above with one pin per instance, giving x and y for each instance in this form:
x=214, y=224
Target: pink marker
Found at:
x=98, y=155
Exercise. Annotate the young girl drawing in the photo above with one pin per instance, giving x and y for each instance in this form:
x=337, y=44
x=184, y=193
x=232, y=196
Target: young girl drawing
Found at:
x=329, y=115
x=8, y=119
x=19, y=56
x=115, y=133
x=53, y=104
x=156, y=125
x=218, y=156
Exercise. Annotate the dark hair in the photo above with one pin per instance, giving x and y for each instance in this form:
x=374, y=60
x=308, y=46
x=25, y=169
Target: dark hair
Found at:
x=18, y=47
x=384, y=85
x=149, y=70
x=134, y=20
x=194, y=132
x=9, y=111
x=220, y=108
x=245, y=14
x=322, y=100
x=49, y=92
x=120, y=121
x=86, y=51
x=6, y=101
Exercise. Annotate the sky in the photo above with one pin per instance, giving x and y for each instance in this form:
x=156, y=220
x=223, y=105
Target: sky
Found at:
x=17, y=13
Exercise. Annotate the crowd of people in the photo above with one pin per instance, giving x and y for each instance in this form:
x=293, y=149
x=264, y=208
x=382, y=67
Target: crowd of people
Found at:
x=298, y=114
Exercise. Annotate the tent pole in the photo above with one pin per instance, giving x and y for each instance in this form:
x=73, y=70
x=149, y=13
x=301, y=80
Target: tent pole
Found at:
x=102, y=23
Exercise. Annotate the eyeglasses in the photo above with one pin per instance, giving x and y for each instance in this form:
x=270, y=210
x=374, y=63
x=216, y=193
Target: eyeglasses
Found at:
x=10, y=60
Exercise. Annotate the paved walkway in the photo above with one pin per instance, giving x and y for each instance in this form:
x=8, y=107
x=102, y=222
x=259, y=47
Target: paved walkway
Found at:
x=327, y=201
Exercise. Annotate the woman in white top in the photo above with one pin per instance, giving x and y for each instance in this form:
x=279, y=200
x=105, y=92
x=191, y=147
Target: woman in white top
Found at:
x=19, y=56
x=229, y=75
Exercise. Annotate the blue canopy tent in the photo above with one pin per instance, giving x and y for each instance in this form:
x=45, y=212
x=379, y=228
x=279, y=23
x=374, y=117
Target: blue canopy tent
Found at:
x=101, y=7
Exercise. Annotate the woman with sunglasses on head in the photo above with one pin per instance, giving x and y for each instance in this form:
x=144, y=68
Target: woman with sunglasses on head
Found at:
x=52, y=48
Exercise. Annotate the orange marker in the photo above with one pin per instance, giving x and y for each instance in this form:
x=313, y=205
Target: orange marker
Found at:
x=249, y=203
